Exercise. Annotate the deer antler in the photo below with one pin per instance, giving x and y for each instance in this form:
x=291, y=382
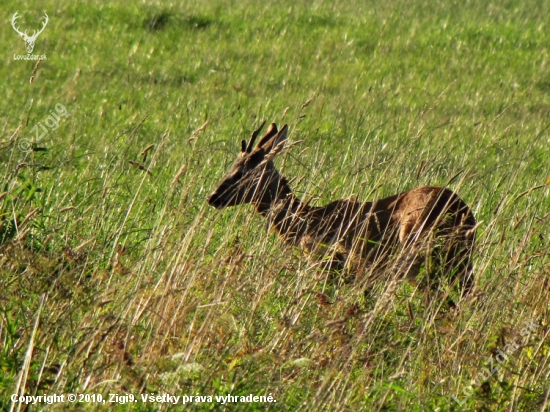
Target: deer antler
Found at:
x=44, y=24
x=25, y=36
x=254, y=136
x=29, y=40
x=13, y=19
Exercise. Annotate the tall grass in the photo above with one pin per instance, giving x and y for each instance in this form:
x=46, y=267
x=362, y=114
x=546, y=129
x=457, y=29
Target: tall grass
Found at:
x=116, y=276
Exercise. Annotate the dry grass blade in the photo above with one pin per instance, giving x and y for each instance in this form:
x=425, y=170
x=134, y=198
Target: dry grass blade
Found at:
x=28, y=217
x=140, y=167
x=144, y=152
x=288, y=108
x=22, y=381
x=529, y=191
x=14, y=135
x=198, y=131
x=178, y=175
x=306, y=104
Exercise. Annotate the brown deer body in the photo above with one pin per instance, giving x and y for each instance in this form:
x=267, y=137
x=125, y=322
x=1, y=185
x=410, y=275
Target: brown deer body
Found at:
x=402, y=231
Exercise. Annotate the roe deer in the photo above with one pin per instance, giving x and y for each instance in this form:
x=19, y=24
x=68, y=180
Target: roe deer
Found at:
x=426, y=224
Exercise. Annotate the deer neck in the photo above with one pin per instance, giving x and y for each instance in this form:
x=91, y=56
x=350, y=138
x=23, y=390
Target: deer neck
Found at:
x=284, y=211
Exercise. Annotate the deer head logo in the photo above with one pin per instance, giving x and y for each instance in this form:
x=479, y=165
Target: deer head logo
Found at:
x=29, y=40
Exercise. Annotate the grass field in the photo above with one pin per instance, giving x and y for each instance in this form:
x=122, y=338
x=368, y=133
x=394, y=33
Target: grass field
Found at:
x=116, y=277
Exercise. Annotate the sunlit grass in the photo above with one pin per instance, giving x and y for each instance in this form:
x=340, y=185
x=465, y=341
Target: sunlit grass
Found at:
x=146, y=289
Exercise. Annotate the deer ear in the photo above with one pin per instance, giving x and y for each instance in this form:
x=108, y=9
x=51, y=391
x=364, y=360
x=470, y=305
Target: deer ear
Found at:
x=243, y=145
x=271, y=131
x=277, y=142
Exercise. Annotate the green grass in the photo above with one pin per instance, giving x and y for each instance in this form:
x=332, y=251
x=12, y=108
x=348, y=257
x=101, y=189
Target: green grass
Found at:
x=113, y=280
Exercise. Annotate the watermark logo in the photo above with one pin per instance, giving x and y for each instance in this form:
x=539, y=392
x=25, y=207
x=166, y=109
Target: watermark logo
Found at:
x=29, y=40
x=491, y=367
x=40, y=130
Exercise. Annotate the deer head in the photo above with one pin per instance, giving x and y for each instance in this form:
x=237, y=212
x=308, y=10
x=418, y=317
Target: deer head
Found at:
x=253, y=177
x=29, y=40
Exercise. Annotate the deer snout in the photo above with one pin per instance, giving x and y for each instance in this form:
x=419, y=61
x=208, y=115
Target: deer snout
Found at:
x=215, y=200
x=224, y=195
x=219, y=198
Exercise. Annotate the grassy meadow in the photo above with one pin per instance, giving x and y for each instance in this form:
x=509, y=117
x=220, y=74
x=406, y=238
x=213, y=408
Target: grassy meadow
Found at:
x=116, y=277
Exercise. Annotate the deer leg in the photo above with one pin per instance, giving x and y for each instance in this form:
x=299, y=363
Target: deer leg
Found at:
x=458, y=264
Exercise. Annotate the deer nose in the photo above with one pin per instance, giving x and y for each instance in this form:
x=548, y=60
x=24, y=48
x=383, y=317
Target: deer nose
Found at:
x=214, y=200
